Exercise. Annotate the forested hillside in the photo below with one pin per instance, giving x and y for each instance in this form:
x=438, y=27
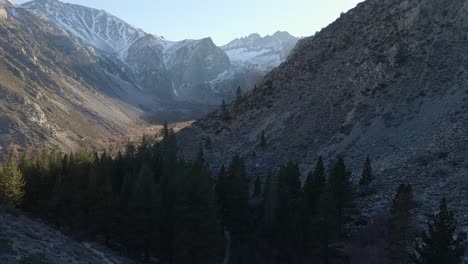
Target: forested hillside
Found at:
x=161, y=209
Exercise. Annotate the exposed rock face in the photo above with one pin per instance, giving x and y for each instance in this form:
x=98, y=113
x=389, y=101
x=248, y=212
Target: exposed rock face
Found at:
x=53, y=92
x=262, y=53
x=74, y=76
x=164, y=71
x=388, y=79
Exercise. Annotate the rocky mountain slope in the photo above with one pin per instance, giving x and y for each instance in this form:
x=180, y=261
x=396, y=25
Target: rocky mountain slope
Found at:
x=73, y=76
x=23, y=240
x=53, y=92
x=263, y=53
x=166, y=71
x=388, y=79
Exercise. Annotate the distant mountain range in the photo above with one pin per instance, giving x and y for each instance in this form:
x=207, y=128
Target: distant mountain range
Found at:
x=73, y=75
x=194, y=71
x=263, y=53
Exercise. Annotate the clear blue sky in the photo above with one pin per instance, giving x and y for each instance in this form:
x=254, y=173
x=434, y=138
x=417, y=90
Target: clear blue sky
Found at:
x=223, y=20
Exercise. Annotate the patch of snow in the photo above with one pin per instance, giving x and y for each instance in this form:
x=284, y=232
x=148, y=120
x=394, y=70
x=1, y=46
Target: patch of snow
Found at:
x=243, y=54
x=174, y=89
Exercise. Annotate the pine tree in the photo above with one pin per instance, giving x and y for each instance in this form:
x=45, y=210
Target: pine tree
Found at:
x=339, y=185
x=366, y=177
x=440, y=244
x=314, y=186
x=164, y=130
x=335, y=210
x=311, y=193
x=11, y=184
x=399, y=225
x=172, y=170
x=286, y=222
x=263, y=139
x=198, y=233
x=270, y=199
x=142, y=211
x=237, y=211
x=257, y=188
x=225, y=112
x=221, y=194
x=238, y=99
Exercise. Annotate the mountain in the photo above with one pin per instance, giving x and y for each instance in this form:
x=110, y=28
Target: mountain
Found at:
x=54, y=92
x=387, y=79
x=170, y=74
x=73, y=76
x=264, y=53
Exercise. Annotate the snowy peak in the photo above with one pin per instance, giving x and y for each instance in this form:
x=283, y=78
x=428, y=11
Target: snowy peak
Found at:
x=96, y=28
x=262, y=52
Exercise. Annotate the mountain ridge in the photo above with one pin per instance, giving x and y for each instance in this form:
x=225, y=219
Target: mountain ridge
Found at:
x=102, y=76
x=264, y=53
x=383, y=80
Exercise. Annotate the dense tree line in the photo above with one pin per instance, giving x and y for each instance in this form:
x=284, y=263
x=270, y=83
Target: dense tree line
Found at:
x=162, y=209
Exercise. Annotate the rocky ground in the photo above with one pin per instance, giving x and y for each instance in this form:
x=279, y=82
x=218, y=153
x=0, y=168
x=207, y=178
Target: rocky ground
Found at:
x=27, y=241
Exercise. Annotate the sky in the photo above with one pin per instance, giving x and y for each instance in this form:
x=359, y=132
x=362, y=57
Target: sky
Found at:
x=223, y=20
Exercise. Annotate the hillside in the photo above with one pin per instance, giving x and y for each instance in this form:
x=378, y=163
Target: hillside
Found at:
x=52, y=92
x=387, y=79
x=23, y=240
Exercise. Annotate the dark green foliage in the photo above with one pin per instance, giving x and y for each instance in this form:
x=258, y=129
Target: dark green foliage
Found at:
x=263, y=142
x=336, y=207
x=341, y=194
x=233, y=199
x=257, y=188
x=11, y=184
x=270, y=195
x=314, y=186
x=198, y=233
x=238, y=99
x=254, y=155
x=285, y=224
x=441, y=244
x=366, y=177
x=399, y=228
x=158, y=206
x=225, y=115
x=6, y=246
x=312, y=191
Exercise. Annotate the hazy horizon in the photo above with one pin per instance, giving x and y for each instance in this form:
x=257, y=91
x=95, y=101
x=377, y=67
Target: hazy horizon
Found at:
x=223, y=21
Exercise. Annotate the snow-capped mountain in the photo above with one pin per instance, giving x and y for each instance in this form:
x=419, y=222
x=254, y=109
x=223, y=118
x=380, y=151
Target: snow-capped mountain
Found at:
x=264, y=53
x=96, y=28
x=169, y=71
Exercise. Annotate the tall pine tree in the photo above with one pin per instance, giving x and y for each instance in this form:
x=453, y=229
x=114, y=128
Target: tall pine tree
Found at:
x=198, y=233
x=286, y=222
x=11, y=184
x=399, y=229
x=441, y=244
x=311, y=193
x=225, y=115
x=367, y=176
x=238, y=218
